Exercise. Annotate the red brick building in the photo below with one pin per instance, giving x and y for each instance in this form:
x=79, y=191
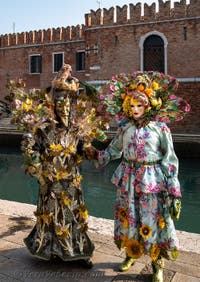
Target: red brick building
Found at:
x=120, y=39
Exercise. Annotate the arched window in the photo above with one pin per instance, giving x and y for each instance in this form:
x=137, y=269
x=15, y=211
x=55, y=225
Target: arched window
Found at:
x=154, y=54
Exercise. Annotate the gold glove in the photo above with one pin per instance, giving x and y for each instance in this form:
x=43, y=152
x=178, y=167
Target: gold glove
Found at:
x=175, y=208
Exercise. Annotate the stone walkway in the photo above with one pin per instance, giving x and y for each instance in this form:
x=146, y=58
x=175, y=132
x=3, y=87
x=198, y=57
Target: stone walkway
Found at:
x=16, y=263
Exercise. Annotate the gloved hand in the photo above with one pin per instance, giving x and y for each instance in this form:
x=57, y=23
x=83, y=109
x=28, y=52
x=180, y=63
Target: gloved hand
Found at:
x=175, y=208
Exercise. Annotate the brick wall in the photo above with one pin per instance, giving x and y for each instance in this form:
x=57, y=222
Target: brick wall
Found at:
x=118, y=32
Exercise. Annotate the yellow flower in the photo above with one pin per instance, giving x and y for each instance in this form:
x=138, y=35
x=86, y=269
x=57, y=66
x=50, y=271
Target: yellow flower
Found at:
x=65, y=200
x=62, y=231
x=124, y=240
x=38, y=109
x=71, y=148
x=45, y=218
x=161, y=222
x=126, y=106
x=27, y=105
x=125, y=224
x=145, y=231
x=134, y=249
x=78, y=159
x=55, y=147
x=83, y=212
x=132, y=86
x=155, y=85
x=77, y=180
x=154, y=252
x=154, y=102
x=45, y=173
x=61, y=174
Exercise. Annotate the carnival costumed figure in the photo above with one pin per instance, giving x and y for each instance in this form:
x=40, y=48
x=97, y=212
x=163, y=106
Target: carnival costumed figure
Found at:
x=54, y=124
x=148, y=189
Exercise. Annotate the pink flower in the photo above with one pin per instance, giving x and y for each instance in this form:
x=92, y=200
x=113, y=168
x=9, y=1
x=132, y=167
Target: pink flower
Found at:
x=137, y=188
x=101, y=97
x=171, y=168
x=110, y=96
x=125, y=178
x=122, y=190
x=165, y=119
x=112, y=87
x=172, y=97
x=145, y=205
x=179, y=117
x=187, y=108
x=130, y=220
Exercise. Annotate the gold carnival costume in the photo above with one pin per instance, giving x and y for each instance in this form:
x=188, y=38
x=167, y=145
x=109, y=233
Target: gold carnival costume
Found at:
x=55, y=125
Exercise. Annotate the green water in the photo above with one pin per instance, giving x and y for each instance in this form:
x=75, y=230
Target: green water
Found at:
x=98, y=191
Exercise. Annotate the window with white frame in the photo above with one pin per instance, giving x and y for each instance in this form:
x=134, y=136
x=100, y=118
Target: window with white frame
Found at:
x=80, y=60
x=58, y=61
x=35, y=63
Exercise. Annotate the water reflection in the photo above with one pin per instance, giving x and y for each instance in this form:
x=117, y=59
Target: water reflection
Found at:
x=98, y=191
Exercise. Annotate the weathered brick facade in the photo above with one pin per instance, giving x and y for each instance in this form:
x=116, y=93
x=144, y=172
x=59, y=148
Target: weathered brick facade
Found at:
x=119, y=33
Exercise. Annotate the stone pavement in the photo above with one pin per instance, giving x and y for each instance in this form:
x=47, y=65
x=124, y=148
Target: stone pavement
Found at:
x=16, y=263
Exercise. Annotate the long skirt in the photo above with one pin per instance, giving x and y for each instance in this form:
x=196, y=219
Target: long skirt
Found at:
x=143, y=224
x=61, y=226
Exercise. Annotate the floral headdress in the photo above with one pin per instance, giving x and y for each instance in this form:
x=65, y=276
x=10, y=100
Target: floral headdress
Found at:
x=154, y=87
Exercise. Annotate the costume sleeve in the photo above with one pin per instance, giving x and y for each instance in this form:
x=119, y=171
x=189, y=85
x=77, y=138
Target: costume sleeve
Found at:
x=112, y=152
x=170, y=162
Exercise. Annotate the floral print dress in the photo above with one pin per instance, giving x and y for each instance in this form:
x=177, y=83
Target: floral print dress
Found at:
x=146, y=180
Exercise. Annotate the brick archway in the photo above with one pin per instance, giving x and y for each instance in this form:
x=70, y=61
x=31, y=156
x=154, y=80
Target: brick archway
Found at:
x=154, y=53
x=156, y=44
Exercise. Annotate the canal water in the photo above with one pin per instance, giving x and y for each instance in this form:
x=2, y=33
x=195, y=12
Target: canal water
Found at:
x=99, y=193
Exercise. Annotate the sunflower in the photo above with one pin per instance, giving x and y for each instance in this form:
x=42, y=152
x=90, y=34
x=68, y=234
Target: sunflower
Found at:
x=126, y=106
x=134, y=249
x=161, y=222
x=145, y=231
x=154, y=252
x=122, y=213
x=125, y=224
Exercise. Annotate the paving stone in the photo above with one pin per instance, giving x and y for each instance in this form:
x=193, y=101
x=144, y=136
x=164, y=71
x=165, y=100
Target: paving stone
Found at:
x=184, y=268
x=179, y=277
x=6, y=245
